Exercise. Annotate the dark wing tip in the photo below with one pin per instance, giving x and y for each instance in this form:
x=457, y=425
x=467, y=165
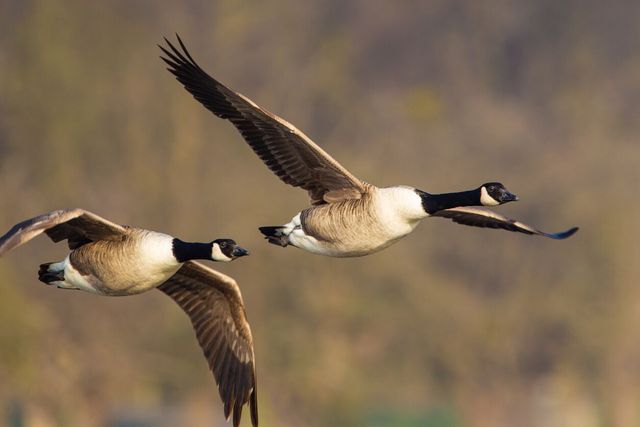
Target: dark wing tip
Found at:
x=228, y=404
x=253, y=405
x=180, y=56
x=237, y=414
x=563, y=234
x=184, y=49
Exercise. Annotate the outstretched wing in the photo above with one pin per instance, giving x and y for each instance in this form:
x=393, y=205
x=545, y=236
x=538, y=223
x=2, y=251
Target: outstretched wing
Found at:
x=288, y=152
x=483, y=218
x=213, y=302
x=76, y=225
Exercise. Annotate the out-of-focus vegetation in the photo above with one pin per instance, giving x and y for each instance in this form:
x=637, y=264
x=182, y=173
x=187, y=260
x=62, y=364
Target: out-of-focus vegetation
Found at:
x=453, y=326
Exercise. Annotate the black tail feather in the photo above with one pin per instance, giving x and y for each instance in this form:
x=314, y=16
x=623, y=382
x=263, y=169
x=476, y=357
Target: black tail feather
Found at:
x=274, y=235
x=46, y=276
x=271, y=231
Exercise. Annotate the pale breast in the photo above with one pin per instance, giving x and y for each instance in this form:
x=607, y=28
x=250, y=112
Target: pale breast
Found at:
x=399, y=210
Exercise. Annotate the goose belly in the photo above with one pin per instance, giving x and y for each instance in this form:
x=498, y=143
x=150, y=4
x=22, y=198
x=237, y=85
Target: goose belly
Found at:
x=350, y=229
x=122, y=268
x=133, y=280
x=340, y=249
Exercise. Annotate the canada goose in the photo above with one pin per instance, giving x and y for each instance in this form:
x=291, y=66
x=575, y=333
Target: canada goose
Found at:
x=347, y=217
x=114, y=260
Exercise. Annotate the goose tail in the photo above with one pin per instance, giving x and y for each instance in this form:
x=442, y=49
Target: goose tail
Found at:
x=46, y=275
x=275, y=235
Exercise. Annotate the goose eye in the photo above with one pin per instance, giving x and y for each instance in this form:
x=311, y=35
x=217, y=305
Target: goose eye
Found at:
x=223, y=245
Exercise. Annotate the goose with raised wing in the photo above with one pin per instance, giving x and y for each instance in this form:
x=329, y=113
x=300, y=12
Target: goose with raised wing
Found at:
x=114, y=260
x=347, y=217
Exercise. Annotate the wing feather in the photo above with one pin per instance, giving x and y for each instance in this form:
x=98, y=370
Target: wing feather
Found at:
x=286, y=151
x=214, y=304
x=483, y=218
x=76, y=225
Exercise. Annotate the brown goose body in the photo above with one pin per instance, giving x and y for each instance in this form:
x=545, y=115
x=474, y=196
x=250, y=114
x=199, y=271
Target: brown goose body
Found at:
x=357, y=227
x=136, y=262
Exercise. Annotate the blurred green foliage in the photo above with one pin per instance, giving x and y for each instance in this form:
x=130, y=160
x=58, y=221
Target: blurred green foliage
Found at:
x=498, y=329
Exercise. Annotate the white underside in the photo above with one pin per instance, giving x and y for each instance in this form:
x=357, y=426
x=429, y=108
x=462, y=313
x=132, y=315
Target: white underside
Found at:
x=293, y=230
x=72, y=278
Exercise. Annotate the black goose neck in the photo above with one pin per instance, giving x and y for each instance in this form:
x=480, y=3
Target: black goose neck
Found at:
x=437, y=202
x=185, y=251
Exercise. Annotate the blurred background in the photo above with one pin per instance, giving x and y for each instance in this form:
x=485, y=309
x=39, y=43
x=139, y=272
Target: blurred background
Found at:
x=453, y=326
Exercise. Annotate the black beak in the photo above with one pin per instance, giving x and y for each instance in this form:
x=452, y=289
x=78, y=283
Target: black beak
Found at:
x=509, y=197
x=238, y=252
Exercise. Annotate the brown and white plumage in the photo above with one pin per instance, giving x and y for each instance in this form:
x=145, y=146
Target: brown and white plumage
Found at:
x=348, y=217
x=110, y=259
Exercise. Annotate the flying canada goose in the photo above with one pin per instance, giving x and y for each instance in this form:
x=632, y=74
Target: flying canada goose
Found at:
x=114, y=260
x=348, y=217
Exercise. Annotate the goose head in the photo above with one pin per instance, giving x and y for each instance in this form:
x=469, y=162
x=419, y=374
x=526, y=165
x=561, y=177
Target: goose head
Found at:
x=226, y=250
x=494, y=193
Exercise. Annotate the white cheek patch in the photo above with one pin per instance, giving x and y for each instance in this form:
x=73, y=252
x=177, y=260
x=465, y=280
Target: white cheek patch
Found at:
x=217, y=255
x=486, y=199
